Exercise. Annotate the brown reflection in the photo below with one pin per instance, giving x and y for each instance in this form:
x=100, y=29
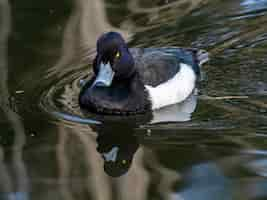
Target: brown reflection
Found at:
x=14, y=179
x=97, y=182
x=87, y=21
x=63, y=165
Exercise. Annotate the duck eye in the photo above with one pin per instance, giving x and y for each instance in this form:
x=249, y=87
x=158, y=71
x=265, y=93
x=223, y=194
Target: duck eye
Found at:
x=117, y=55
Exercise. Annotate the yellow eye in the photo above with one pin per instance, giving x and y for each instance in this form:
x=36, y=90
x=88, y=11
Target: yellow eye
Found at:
x=124, y=162
x=117, y=54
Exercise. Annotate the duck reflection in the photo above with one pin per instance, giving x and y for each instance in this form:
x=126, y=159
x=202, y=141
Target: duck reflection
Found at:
x=176, y=113
x=117, y=141
x=117, y=150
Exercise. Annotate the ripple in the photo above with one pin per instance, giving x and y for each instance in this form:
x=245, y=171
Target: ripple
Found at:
x=60, y=100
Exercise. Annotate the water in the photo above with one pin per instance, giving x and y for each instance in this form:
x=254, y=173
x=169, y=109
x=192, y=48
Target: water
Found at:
x=213, y=146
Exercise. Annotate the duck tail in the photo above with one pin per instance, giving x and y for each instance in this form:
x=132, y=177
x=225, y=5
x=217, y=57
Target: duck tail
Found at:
x=202, y=57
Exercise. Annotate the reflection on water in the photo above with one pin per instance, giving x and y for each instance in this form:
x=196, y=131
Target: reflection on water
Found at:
x=203, y=148
x=117, y=142
x=14, y=179
x=176, y=113
x=117, y=149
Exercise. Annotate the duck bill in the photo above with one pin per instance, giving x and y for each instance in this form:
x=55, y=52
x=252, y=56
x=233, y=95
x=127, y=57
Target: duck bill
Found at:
x=105, y=75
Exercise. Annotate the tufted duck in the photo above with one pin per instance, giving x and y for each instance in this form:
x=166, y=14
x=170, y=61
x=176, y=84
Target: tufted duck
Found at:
x=138, y=80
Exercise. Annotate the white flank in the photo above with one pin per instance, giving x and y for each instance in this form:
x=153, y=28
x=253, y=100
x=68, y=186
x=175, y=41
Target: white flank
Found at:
x=174, y=90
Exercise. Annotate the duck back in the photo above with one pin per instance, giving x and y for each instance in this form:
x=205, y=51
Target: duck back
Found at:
x=158, y=65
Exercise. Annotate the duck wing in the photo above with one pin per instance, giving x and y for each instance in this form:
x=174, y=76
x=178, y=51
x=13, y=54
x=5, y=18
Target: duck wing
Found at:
x=158, y=65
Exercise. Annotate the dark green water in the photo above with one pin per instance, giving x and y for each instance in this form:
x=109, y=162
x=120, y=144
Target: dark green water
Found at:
x=206, y=148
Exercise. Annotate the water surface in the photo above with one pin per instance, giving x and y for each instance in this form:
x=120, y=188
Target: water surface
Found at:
x=212, y=146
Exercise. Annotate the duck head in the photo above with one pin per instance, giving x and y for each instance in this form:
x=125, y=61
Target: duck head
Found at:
x=113, y=60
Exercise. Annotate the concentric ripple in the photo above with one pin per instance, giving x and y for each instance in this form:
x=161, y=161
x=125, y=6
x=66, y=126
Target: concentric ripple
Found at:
x=61, y=99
